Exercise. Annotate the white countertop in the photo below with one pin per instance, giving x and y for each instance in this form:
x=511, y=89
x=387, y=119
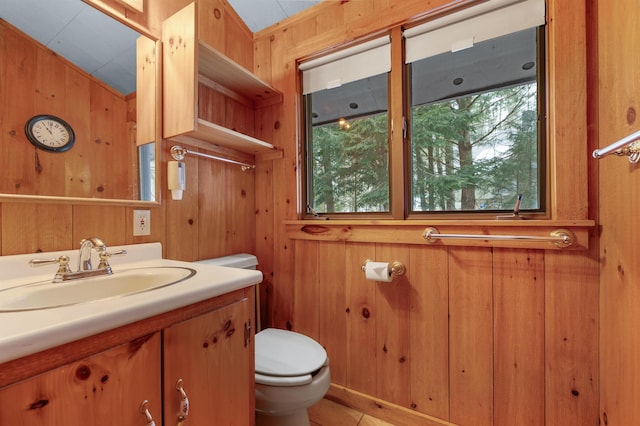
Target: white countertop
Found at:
x=27, y=332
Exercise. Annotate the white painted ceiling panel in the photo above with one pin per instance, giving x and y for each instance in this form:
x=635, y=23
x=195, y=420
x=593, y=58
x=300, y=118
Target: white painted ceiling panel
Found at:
x=102, y=46
x=259, y=14
x=98, y=44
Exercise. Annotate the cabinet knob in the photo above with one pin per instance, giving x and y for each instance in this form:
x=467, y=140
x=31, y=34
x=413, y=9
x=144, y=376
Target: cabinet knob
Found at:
x=144, y=409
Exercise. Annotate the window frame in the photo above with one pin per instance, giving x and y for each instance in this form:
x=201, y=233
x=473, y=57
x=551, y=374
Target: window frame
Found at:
x=399, y=143
x=543, y=149
x=307, y=175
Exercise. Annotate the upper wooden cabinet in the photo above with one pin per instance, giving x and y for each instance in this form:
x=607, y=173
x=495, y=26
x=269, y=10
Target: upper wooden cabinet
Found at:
x=199, y=81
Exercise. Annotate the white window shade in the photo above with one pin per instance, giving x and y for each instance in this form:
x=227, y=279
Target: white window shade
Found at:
x=348, y=65
x=460, y=30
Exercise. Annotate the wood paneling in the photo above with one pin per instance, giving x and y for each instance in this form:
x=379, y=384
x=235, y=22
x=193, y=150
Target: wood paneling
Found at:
x=307, y=293
x=468, y=335
x=475, y=335
x=618, y=78
x=393, y=366
x=428, y=279
x=29, y=228
x=518, y=364
x=567, y=80
x=471, y=337
x=571, y=335
x=37, y=81
x=110, y=227
x=475, y=332
x=361, y=316
x=217, y=214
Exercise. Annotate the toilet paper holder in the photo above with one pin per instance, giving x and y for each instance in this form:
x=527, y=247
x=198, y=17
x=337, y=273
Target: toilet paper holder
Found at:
x=395, y=268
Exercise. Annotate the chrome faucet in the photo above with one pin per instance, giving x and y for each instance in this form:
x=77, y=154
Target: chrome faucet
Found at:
x=85, y=268
x=84, y=259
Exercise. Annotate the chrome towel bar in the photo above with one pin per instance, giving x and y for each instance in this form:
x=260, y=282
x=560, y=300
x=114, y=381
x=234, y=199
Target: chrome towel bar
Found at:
x=560, y=237
x=178, y=153
x=629, y=145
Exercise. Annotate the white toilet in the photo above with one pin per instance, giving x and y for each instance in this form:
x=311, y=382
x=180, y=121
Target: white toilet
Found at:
x=292, y=370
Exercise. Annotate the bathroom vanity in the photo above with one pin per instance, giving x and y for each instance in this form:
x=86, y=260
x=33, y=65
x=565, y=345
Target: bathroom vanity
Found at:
x=186, y=355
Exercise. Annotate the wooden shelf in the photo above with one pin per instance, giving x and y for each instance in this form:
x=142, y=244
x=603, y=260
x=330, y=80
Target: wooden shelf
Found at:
x=218, y=135
x=217, y=67
x=186, y=61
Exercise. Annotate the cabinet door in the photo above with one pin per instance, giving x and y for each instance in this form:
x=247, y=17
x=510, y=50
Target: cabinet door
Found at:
x=104, y=389
x=213, y=355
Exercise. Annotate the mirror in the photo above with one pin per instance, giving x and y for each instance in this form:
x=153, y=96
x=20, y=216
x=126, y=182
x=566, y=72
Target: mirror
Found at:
x=93, y=88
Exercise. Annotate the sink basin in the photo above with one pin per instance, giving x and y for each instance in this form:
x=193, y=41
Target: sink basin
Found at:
x=45, y=294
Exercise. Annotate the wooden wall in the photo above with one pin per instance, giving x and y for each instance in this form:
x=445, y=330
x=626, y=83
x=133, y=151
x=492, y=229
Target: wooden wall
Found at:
x=617, y=95
x=473, y=335
x=217, y=214
x=35, y=80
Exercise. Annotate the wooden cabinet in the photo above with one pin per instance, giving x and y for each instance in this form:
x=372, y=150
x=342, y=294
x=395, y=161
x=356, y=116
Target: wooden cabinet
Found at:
x=213, y=356
x=191, y=66
x=103, y=389
x=208, y=345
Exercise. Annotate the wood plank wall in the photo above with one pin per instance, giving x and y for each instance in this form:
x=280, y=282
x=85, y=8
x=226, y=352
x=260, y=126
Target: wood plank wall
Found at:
x=617, y=96
x=534, y=295
x=471, y=335
x=37, y=81
x=216, y=216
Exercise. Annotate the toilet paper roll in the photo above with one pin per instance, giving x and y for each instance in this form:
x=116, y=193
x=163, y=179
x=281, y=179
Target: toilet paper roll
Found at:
x=378, y=271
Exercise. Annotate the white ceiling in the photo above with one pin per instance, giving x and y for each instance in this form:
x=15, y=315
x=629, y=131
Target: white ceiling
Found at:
x=259, y=14
x=105, y=48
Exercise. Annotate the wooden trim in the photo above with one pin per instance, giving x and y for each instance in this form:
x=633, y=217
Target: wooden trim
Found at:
x=381, y=409
x=397, y=93
x=404, y=232
x=31, y=365
x=54, y=199
x=135, y=5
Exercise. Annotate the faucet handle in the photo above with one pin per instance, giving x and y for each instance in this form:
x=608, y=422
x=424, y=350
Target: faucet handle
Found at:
x=105, y=255
x=63, y=266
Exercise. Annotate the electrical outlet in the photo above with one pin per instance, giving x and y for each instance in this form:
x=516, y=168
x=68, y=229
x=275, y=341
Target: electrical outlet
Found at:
x=141, y=222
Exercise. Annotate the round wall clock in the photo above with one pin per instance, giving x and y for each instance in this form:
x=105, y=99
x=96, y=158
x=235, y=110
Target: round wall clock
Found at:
x=50, y=133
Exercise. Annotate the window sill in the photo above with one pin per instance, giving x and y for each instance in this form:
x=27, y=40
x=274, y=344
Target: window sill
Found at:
x=411, y=232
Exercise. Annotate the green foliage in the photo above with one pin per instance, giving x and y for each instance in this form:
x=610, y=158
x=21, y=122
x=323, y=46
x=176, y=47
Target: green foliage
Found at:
x=351, y=166
x=476, y=152
x=471, y=153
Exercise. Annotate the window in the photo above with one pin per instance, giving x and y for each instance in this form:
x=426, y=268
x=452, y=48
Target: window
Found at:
x=474, y=106
x=147, y=166
x=474, y=138
x=346, y=110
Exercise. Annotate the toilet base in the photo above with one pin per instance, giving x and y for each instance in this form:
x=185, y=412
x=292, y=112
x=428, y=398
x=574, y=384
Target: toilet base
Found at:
x=297, y=418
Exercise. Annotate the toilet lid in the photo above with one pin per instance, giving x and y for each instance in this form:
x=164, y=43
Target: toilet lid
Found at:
x=287, y=353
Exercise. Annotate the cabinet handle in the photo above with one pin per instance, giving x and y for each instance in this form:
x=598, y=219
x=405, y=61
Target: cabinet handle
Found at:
x=183, y=412
x=247, y=333
x=144, y=409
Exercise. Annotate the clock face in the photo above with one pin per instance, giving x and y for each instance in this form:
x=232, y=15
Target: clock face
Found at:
x=49, y=133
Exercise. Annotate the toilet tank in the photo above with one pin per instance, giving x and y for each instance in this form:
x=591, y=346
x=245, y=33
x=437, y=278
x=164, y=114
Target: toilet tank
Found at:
x=240, y=260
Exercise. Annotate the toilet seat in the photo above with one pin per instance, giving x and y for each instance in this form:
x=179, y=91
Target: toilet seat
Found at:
x=287, y=358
